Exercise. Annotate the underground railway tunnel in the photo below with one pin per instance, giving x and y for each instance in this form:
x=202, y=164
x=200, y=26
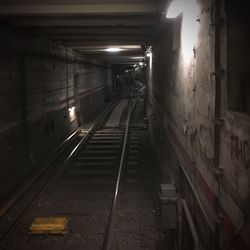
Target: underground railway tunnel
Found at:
x=124, y=124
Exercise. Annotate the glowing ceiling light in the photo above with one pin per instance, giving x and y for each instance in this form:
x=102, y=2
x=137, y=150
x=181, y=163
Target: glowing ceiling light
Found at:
x=175, y=9
x=190, y=27
x=113, y=50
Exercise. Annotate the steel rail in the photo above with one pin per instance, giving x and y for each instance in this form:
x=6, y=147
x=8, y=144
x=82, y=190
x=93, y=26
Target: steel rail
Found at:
x=58, y=172
x=7, y=203
x=190, y=223
x=204, y=213
x=18, y=194
x=109, y=229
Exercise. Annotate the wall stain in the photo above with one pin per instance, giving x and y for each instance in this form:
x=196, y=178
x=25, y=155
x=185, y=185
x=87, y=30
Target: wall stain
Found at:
x=240, y=150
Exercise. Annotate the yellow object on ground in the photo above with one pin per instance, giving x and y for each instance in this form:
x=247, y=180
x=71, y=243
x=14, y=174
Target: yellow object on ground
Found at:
x=49, y=225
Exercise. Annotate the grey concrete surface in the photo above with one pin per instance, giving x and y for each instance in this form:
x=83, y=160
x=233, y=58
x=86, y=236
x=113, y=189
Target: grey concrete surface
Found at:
x=116, y=115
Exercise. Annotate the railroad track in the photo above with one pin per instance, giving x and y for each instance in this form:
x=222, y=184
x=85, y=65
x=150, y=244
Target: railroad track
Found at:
x=19, y=203
x=97, y=161
x=84, y=188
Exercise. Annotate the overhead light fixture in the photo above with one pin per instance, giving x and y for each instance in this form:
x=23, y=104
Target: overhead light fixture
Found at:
x=190, y=26
x=175, y=9
x=138, y=57
x=113, y=49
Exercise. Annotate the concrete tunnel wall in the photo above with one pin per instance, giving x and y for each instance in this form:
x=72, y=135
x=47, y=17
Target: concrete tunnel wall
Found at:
x=37, y=89
x=181, y=113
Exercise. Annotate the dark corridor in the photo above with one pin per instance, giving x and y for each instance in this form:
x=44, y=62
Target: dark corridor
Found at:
x=124, y=124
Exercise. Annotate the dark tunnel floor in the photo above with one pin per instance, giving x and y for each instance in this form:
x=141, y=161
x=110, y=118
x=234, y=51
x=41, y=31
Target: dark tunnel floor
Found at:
x=87, y=203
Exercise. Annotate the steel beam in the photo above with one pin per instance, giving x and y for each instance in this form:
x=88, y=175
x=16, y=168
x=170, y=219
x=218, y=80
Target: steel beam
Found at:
x=77, y=22
x=102, y=37
x=66, y=9
x=125, y=52
x=79, y=44
x=96, y=48
x=95, y=30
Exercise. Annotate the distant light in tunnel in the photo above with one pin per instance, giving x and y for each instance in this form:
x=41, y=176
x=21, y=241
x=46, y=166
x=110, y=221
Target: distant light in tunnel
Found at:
x=190, y=26
x=72, y=109
x=149, y=54
x=72, y=112
x=113, y=50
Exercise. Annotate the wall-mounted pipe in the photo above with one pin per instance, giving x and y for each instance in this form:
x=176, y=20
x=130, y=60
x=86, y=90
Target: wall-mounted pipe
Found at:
x=218, y=121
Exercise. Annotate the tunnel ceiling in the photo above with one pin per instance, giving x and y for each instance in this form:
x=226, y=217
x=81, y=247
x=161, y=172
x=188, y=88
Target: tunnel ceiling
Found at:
x=91, y=26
